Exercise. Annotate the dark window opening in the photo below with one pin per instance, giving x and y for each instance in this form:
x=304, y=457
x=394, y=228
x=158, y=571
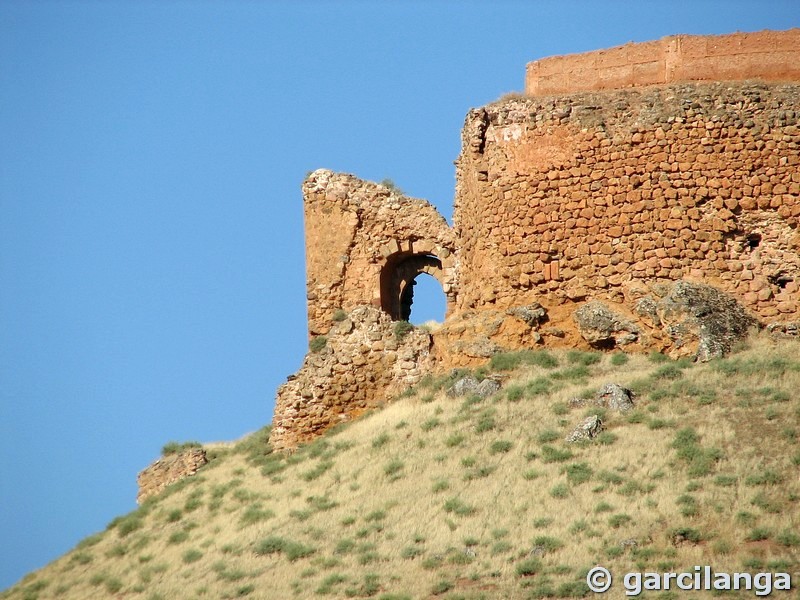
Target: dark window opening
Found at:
x=605, y=344
x=780, y=279
x=753, y=240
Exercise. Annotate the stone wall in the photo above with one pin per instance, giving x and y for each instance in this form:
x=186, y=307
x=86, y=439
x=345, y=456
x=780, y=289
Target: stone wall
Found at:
x=365, y=243
x=169, y=469
x=366, y=360
x=597, y=219
x=566, y=198
x=765, y=55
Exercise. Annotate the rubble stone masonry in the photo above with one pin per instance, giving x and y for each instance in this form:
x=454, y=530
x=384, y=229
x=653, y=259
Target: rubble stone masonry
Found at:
x=566, y=197
x=620, y=173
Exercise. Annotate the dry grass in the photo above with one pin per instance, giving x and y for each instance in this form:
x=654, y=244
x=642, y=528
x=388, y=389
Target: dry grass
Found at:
x=436, y=497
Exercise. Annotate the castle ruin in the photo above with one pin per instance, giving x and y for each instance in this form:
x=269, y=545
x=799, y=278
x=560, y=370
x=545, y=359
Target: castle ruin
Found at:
x=585, y=211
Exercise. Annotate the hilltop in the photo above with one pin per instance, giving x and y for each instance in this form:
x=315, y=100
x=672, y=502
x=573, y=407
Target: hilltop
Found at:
x=458, y=496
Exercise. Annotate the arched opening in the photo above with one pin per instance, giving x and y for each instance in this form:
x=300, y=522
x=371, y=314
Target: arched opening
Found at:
x=426, y=300
x=402, y=287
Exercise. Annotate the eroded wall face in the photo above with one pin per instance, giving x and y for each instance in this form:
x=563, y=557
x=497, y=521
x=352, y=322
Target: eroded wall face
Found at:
x=566, y=198
x=354, y=228
x=364, y=242
x=764, y=55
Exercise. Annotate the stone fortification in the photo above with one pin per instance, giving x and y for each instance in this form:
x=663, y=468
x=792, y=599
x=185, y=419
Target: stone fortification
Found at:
x=365, y=244
x=597, y=195
x=652, y=218
x=366, y=359
x=765, y=55
x=169, y=469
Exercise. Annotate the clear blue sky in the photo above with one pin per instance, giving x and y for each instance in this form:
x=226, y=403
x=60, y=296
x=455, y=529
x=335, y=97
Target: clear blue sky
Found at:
x=151, y=236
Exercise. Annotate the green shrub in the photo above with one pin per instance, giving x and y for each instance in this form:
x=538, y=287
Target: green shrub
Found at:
x=540, y=386
x=700, y=460
x=292, y=550
x=381, y=440
x=440, y=486
x=317, y=343
x=658, y=357
x=339, y=315
x=402, y=329
x=618, y=359
x=619, y=520
x=430, y=424
x=687, y=533
x=391, y=186
x=766, y=477
x=578, y=473
x=603, y=507
x=547, y=543
x=129, y=524
x=725, y=480
x=441, y=587
x=560, y=490
x=322, y=467
x=191, y=556
x=393, y=468
x=176, y=447
x=547, y=436
x=254, y=514
x=577, y=357
x=515, y=393
x=670, y=371
x=572, y=373
x=788, y=538
x=411, y=552
x=606, y=438
x=500, y=446
x=177, y=537
x=485, y=423
x=542, y=522
x=552, y=454
x=758, y=534
x=455, y=439
x=457, y=506
x=528, y=567
x=531, y=474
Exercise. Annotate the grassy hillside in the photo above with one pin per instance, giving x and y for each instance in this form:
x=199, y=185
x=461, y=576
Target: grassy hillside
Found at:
x=440, y=497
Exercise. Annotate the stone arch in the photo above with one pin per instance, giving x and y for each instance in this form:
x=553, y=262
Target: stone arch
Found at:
x=397, y=281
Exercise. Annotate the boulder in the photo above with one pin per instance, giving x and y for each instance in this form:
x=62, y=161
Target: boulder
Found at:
x=586, y=430
x=615, y=397
x=602, y=327
x=699, y=319
x=532, y=314
x=611, y=396
x=470, y=385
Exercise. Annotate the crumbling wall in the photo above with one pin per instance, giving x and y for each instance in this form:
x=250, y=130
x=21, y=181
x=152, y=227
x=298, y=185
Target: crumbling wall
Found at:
x=365, y=245
x=569, y=198
x=169, y=469
x=359, y=237
x=575, y=216
x=366, y=359
x=764, y=55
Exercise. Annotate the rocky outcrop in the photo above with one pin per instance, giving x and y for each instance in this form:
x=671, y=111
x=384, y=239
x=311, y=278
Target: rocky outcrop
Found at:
x=588, y=429
x=662, y=217
x=365, y=359
x=167, y=470
x=701, y=321
x=471, y=385
x=602, y=327
x=611, y=396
